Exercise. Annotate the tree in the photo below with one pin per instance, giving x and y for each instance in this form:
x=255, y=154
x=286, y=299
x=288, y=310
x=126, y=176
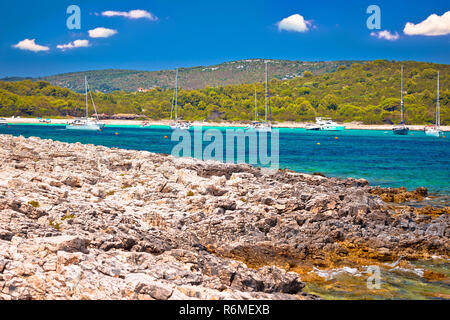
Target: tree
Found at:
x=330, y=101
x=390, y=104
x=429, y=73
x=307, y=74
x=366, y=91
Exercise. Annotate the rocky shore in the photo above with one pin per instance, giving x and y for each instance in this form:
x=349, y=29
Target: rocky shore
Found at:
x=89, y=222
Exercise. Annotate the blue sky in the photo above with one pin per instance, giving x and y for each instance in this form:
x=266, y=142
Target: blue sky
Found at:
x=192, y=33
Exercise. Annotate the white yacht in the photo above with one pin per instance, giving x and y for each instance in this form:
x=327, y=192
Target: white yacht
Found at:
x=3, y=122
x=312, y=126
x=174, y=123
x=327, y=124
x=86, y=123
x=435, y=130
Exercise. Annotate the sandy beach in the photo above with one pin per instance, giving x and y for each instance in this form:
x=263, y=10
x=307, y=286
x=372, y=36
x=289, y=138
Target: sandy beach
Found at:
x=348, y=125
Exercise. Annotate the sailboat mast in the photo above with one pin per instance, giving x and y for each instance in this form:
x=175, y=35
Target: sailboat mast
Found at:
x=269, y=111
x=401, y=102
x=265, y=104
x=93, y=103
x=176, y=96
x=86, y=90
x=438, y=114
x=256, y=114
x=171, y=108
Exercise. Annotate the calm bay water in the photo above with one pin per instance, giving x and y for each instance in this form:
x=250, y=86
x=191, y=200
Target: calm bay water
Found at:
x=378, y=156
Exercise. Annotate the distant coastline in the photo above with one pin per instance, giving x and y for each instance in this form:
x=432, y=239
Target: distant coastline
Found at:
x=288, y=124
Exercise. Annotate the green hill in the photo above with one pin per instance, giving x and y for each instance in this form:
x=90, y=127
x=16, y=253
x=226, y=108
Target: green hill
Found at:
x=228, y=73
x=365, y=91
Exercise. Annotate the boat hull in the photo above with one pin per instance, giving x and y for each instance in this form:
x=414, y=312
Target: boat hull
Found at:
x=264, y=129
x=85, y=127
x=178, y=126
x=260, y=127
x=332, y=128
x=401, y=131
x=433, y=132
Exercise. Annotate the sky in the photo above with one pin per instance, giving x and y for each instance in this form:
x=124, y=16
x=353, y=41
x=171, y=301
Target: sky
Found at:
x=161, y=34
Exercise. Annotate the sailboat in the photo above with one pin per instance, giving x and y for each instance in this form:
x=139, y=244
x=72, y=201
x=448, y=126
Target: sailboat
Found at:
x=86, y=123
x=174, y=123
x=401, y=129
x=262, y=126
x=435, y=131
x=254, y=123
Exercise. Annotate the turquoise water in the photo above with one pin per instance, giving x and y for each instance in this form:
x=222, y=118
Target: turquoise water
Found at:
x=378, y=156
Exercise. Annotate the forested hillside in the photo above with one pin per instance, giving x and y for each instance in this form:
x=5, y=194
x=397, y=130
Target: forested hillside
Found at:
x=367, y=92
x=228, y=73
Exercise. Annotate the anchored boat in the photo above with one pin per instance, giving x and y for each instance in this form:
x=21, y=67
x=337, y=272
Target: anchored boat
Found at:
x=262, y=126
x=435, y=131
x=312, y=126
x=401, y=129
x=145, y=124
x=174, y=123
x=86, y=123
x=326, y=124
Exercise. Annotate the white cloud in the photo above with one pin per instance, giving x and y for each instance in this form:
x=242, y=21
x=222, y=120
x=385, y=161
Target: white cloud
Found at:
x=294, y=23
x=385, y=34
x=434, y=25
x=132, y=14
x=30, y=45
x=101, y=32
x=74, y=44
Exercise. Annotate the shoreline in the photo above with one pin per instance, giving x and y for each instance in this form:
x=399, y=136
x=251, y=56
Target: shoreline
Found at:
x=426, y=201
x=287, y=125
